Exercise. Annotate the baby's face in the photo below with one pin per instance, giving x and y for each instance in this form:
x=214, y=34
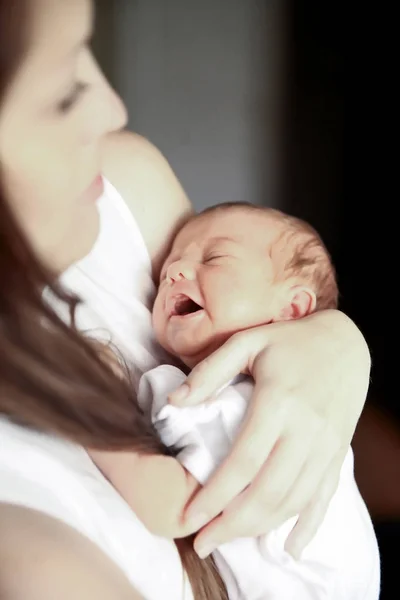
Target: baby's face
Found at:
x=217, y=280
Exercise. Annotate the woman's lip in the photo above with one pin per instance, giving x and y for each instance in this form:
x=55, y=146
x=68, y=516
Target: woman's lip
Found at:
x=94, y=191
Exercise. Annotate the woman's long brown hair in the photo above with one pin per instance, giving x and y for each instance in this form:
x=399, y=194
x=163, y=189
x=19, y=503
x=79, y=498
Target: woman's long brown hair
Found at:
x=51, y=378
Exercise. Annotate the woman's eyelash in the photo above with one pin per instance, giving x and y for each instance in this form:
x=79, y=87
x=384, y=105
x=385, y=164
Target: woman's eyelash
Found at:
x=67, y=103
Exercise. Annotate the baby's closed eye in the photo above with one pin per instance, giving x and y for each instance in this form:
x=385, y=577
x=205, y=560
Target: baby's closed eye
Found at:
x=214, y=258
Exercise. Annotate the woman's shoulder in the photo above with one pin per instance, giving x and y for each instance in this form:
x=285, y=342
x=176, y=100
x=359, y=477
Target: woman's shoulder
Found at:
x=145, y=180
x=44, y=474
x=64, y=563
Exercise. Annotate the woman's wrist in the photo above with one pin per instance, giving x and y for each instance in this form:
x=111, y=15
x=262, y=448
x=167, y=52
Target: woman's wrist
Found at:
x=351, y=359
x=346, y=333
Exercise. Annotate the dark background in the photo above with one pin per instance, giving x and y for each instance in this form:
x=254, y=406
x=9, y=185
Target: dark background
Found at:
x=321, y=182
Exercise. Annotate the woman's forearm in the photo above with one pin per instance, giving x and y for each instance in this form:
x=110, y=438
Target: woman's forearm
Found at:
x=157, y=488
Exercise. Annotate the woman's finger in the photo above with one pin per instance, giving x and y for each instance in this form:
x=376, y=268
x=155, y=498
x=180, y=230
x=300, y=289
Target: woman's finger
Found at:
x=307, y=487
x=314, y=513
x=250, y=451
x=262, y=505
x=268, y=501
x=219, y=368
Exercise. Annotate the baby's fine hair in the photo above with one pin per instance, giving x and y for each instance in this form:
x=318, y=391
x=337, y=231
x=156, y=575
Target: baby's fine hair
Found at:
x=309, y=261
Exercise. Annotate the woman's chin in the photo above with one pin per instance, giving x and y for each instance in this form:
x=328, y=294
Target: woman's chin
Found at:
x=81, y=241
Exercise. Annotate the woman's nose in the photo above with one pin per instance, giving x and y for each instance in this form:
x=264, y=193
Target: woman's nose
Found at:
x=117, y=115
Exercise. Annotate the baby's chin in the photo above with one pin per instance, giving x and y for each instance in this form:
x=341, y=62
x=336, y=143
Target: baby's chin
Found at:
x=193, y=343
x=190, y=353
x=189, y=356
x=186, y=351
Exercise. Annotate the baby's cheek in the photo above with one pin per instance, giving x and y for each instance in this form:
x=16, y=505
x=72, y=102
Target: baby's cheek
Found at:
x=231, y=303
x=158, y=318
x=249, y=308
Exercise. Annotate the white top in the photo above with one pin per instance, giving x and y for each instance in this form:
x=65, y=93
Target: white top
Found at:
x=341, y=562
x=51, y=475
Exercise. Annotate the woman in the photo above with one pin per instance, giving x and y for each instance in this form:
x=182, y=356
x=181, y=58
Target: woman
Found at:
x=59, y=153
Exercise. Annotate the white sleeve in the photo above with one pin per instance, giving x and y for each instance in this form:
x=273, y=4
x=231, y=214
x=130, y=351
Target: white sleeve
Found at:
x=51, y=475
x=44, y=473
x=21, y=491
x=202, y=435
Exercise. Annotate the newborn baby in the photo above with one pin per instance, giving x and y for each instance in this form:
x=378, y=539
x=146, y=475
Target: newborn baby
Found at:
x=233, y=267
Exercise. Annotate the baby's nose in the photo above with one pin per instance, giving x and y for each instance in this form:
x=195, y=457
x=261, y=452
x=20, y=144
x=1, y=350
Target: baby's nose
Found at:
x=181, y=269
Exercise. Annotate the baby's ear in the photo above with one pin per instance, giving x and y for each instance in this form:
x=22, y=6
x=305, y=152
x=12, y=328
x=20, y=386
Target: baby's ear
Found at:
x=300, y=303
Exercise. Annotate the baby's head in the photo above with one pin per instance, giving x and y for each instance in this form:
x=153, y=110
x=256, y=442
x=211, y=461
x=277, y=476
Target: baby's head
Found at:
x=236, y=266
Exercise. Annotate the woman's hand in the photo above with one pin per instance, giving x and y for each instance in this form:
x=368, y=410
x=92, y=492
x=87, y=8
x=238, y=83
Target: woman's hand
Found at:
x=311, y=380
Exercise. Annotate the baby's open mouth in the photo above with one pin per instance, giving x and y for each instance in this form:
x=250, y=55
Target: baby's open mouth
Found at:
x=184, y=306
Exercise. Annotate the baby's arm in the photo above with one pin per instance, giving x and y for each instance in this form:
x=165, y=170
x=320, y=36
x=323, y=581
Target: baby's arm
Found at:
x=157, y=488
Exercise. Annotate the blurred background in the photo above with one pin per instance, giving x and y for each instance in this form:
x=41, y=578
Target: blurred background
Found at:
x=246, y=99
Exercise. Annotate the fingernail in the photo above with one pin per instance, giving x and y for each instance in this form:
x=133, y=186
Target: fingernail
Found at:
x=294, y=552
x=204, y=551
x=197, y=521
x=180, y=394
